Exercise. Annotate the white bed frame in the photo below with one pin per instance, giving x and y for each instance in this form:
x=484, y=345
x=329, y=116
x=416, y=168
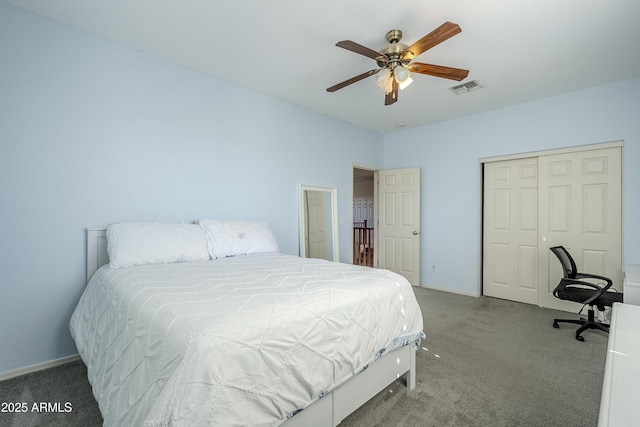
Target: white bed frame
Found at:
x=335, y=406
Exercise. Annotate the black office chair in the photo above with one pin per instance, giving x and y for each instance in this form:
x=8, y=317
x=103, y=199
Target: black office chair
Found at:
x=571, y=288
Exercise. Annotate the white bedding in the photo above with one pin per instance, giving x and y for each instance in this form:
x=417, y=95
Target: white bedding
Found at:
x=247, y=340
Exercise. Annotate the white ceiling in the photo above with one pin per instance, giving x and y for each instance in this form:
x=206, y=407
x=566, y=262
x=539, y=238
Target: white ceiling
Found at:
x=520, y=50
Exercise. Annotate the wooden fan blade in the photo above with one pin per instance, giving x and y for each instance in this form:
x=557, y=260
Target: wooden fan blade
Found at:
x=353, y=80
x=435, y=37
x=392, y=96
x=362, y=50
x=439, y=71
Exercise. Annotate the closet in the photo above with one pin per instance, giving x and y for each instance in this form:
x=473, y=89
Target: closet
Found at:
x=569, y=197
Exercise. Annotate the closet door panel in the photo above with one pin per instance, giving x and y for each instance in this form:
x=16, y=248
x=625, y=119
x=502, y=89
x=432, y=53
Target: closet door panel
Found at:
x=510, y=230
x=581, y=209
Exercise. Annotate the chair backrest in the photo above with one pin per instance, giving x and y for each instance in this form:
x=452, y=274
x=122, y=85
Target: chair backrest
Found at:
x=569, y=269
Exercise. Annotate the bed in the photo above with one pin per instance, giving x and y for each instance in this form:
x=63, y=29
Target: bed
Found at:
x=259, y=338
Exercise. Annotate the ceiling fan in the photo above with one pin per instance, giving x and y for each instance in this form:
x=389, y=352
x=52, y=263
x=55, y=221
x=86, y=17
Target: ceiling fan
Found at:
x=395, y=64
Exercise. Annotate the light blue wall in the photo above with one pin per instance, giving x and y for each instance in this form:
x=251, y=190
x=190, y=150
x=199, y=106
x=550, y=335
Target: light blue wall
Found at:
x=448, y=154
x=92, y=132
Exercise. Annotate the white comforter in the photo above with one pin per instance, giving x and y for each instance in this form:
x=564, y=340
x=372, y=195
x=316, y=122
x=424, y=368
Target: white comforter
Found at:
x=248, y=340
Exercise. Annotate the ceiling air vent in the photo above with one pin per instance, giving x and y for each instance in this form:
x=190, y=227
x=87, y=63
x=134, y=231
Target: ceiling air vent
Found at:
x=466, y=87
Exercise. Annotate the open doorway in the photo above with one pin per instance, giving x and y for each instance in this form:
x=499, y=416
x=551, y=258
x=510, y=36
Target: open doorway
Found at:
x=363, y=216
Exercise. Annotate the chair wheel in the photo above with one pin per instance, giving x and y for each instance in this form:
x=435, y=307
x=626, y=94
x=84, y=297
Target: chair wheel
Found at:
x=555, y=325
x=580, y=338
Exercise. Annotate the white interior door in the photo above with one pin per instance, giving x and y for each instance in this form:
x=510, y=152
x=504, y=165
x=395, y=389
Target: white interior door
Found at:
x=510, y=230
x=398, y=235
x=581, y=196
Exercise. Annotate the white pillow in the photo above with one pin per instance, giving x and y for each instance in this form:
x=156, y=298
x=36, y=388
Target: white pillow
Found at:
x=132, y=244
x=231, y=237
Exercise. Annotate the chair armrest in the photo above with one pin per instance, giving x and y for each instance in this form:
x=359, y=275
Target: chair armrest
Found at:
x=595, y=276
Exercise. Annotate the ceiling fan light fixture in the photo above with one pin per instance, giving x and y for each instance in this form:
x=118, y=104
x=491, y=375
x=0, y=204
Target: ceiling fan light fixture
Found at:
x=401, y=74
x=382, y=78
x=394, y=61
x=389, y=87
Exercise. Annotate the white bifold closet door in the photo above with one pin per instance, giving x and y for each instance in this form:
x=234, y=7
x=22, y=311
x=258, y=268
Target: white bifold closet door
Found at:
x=573, y=199
x=510, y=239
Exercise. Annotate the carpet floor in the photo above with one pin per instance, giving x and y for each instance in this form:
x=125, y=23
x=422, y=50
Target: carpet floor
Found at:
x=485, y=362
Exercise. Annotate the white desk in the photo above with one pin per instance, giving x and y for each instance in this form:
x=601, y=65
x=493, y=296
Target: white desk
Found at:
x=620, y=401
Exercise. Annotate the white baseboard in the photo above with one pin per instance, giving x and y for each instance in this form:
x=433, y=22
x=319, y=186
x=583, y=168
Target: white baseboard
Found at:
x=38, y=367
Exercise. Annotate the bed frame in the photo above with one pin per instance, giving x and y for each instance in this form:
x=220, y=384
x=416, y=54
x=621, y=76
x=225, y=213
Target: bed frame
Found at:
x=333, y=407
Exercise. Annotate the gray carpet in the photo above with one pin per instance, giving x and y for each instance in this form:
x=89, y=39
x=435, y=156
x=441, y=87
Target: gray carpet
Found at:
x=490, y=362
x=485, y=362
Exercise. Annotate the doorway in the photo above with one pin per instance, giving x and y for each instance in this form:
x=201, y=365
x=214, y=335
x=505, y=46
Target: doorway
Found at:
x=364, y=215
x=386, y=220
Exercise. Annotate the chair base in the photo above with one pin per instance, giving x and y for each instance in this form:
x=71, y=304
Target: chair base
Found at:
x=589, y=323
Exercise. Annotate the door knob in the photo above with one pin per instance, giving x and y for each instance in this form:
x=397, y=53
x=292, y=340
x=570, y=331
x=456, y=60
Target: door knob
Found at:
x=416, y=232
x=544, y=239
